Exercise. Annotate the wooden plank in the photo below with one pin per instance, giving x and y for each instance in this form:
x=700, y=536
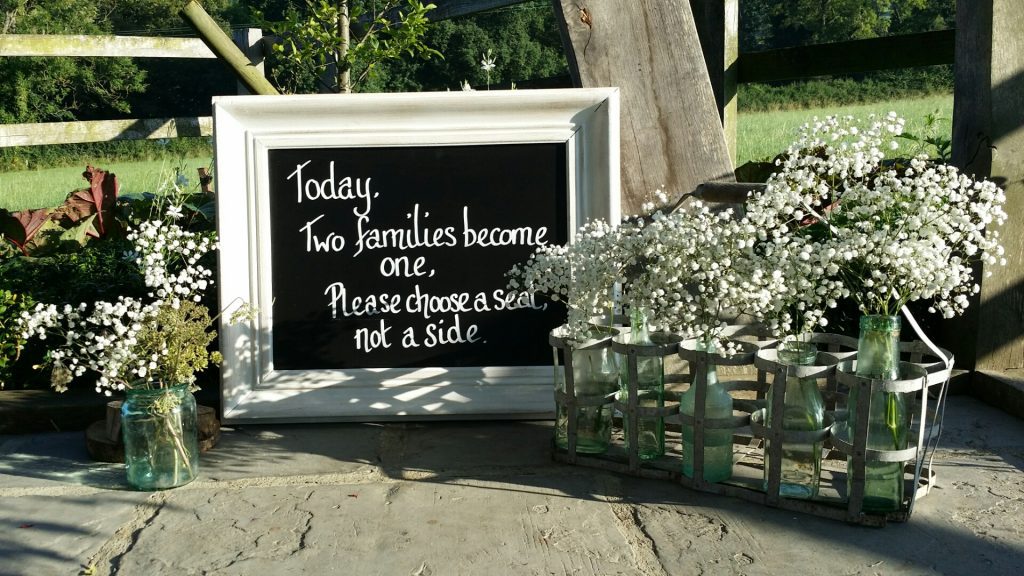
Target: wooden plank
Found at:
x=671, y=136
x=454, y=8
x=227, y=52
x=988, y=140
x=1001, y=388
x=103, y=130
x=718, y=26
x=250, y=42
x=81, y=45
x=851, y=57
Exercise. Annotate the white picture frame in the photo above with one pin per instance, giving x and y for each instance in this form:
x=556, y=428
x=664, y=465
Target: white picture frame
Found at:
x=246, y=127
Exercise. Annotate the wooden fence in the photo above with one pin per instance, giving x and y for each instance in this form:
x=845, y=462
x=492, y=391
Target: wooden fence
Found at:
x=717, y=24
x=249, y=41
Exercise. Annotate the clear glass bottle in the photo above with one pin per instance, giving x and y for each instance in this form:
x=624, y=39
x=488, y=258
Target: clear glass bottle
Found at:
x=717, y=442
x=595, y=377
x=161, y=441
x=878, y=357
x=650, y=389
x=803, y=411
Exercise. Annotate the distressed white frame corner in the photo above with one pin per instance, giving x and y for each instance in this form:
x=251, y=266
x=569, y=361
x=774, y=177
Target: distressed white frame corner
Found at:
x=246, y=127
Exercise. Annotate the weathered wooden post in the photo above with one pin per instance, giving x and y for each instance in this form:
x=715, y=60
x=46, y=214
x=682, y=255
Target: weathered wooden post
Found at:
x=671, y=134
x=225, y=49
x=988, y=140
x=718, y=26
x=250, y=42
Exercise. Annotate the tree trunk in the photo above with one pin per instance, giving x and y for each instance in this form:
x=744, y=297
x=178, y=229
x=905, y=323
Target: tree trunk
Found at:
x=343, y=69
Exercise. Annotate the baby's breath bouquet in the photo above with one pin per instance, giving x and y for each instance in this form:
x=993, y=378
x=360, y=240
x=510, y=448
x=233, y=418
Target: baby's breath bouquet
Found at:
x=156, y=342
x=686, y=268
x=150, y=348
x=581, y=275
x=838, y=221
x=690, y=269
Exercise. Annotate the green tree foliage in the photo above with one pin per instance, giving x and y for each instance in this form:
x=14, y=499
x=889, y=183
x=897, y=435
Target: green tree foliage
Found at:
x=159, y=17
x=54, y=89
x=766, y=24
x=523, y=39
x=769, y=24
x=175, y=87
x=351, y=37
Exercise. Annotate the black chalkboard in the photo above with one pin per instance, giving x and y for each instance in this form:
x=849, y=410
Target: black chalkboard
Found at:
x=363, y=239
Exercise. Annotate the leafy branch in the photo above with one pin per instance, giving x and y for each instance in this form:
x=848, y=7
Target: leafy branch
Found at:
x=351, y=37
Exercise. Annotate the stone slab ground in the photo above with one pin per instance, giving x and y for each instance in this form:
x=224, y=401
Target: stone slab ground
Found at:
x=470, y=498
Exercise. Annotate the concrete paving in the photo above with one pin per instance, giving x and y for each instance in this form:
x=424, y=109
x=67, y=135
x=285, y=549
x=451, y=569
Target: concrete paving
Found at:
x=419, y=499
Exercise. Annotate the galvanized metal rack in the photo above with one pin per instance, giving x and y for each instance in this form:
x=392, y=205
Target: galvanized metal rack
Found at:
x=924, y=377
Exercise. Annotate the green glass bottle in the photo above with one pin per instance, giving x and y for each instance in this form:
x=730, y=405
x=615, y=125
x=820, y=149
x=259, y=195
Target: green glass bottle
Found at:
x=717, y=442
x=803, y=411
x=650, y=389
x=878, y=357
x=595, y=377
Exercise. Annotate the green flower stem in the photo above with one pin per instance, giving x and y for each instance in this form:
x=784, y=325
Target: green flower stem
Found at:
x=892, y=418
x=163, y=410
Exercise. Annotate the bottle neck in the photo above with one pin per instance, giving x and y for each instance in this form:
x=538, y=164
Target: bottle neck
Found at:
x=708, y=345
x=639, y=332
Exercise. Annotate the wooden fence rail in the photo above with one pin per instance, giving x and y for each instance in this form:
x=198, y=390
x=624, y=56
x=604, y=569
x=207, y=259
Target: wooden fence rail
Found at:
x=856, y=56
x=850, y=57
x=40, y=134
x=110, y=46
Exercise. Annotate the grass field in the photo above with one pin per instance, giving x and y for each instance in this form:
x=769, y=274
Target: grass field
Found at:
x=49, y=187
x=763, y=135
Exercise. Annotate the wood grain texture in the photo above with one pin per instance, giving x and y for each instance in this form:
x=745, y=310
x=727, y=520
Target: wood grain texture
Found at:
x=988, y=132
x=103, y=130
x=718, y=29
x=79, y=45
x=671, y=135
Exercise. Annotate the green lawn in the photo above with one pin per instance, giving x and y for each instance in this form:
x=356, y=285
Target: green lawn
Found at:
x=763, y=135
x=49, y=187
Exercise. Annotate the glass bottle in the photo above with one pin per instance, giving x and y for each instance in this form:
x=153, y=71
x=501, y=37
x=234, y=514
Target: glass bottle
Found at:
x=717, y=442
x=650, y=389
x=878, y=357
x=803, y=411
x=161, y=442
x=595, y=377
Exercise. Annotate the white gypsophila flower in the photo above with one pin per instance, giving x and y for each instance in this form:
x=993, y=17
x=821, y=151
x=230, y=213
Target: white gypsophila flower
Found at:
x=682, y=268
x=104, y=336
x=836, y=222
x=169, y=258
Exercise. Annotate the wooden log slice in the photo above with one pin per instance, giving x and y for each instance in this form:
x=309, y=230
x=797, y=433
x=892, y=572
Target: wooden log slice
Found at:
x=102, y=448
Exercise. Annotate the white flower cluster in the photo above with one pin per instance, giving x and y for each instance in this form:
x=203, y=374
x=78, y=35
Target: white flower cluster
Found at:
x=581, y=275
x=168, y=256
x=104, y=336
x=101, y=338
x=688, y=269
x=684, y=268
x=836, y=222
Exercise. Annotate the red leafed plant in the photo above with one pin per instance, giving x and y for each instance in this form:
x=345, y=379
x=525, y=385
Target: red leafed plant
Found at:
x=20, y=227
x=99, y=199
x=85, y=212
